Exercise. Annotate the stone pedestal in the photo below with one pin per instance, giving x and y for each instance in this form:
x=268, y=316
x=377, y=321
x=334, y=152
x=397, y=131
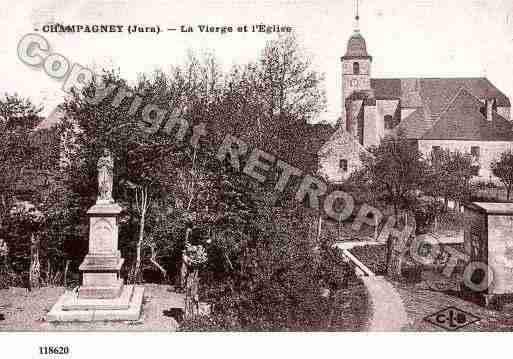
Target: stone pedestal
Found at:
x=100, y=268
x=102, y=295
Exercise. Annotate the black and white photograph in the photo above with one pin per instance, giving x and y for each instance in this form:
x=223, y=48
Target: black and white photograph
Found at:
x=292, y=170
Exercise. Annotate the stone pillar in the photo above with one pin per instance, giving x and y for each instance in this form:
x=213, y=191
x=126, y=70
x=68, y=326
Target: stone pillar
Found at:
x=100, y=268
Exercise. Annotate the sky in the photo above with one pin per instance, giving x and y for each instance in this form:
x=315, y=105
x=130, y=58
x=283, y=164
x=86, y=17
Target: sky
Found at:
x=407, y=38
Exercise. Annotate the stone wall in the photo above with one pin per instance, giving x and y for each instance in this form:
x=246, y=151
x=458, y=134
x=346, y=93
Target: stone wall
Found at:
x=354, y=107
x=384, y=107
x=370, y=127
x=340, y=146
x=364, y=79
x=500, y=253
x=365, y=66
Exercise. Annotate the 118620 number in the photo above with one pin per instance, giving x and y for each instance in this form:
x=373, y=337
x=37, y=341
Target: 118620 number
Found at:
x=54, y=350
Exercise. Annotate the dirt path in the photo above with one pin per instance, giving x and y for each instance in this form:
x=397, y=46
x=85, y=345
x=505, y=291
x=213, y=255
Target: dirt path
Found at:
x=387, y=306
x=27, y=310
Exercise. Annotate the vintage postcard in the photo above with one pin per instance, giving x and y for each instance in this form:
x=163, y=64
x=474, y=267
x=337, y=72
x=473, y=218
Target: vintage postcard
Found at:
x=255, y=166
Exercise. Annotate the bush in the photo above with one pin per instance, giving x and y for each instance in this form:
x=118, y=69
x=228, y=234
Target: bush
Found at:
x=425, y=213
x=10, y=278
x=334, y=270
x=373, y=256
x=213, y=323
x=277, y=280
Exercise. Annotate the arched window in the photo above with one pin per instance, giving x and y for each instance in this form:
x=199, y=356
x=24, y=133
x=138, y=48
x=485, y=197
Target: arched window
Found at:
x=389, y=122
x=356, y=68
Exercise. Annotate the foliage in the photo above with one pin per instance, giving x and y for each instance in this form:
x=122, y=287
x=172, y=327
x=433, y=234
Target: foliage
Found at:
x=502, y=168
x=267, y=272
x=277, y=279
x=450, y=173
x=393, y=172
x=373, y=256
x=427, y=212
x=166, y=186
x=18, y=118
x=270, y=103
x=334, y=269
x=210, y=323
x=196, y=255
x=290, y=88
x=30, y=181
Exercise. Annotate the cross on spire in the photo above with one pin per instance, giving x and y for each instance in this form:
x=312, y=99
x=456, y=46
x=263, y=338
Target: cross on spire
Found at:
x=357, y=15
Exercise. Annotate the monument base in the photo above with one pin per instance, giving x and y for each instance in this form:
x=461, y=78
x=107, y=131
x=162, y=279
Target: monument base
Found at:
x=72, y=308
x=101, y=278
x=103, y=292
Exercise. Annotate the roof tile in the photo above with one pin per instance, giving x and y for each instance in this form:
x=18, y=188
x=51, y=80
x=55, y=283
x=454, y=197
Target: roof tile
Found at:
x=463, y=120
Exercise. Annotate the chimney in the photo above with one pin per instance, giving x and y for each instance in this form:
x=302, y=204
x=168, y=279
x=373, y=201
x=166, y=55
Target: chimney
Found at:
x=490, y=106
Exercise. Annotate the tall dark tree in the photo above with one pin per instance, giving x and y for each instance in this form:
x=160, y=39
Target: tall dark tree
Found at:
x=18, y=118
x=156, y=172
x=394, y=173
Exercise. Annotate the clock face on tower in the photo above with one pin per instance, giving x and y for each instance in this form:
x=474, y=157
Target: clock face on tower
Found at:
x=354, y=83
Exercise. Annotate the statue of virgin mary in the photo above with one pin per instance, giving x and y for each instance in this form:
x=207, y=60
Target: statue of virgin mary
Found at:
x=105, y=177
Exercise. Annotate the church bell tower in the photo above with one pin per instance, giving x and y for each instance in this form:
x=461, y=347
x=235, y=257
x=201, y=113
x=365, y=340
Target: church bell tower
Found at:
x=356, y=66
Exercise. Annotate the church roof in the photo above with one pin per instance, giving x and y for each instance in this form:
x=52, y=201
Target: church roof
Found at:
x=341, y=141
x=356, y=47
x=463, y=120
x=416, y=124
x=435, y=93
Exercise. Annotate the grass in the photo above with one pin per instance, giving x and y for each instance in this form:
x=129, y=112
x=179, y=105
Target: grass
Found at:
x=352, y=308
x=341, y=232
x=373, y=256
x=26, y=311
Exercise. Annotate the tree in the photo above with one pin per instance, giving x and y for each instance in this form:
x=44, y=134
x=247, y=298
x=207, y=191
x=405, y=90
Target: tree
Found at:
x=450, y=173
x=290, y=88
x=394, y=172
x=274, y=278
x=25, y=216
x=190, y=198
x=502, y=168
x=18, y=118
x=29, y=174
x=157, y=173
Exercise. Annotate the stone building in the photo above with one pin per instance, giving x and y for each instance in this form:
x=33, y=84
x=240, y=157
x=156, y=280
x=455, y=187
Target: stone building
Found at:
x=466, y=114
x=488, y=241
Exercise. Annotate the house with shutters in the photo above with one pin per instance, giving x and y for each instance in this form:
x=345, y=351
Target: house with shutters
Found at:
x=466, y=114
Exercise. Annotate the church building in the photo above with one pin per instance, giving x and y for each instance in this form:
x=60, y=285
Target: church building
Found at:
x=466, y=114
